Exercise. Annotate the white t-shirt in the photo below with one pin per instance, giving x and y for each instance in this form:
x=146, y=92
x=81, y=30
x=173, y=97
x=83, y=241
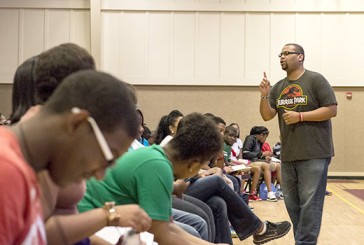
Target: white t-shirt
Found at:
x=235, y=149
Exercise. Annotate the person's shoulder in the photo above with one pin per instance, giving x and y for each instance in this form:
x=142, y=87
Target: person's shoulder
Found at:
x=279, y=82
x=10, y=153
x=314, y=74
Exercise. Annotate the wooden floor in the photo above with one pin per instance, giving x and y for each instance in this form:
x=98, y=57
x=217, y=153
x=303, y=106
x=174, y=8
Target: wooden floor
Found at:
x=343, y=218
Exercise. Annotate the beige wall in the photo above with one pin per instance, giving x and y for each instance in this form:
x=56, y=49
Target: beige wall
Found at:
x=240, y=104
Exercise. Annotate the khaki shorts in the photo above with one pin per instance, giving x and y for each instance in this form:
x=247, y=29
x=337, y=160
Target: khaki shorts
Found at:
x=272, y=165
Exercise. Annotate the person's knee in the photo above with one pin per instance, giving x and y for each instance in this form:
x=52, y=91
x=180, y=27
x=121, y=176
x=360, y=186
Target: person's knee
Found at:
x=265, y=166
x=217, y=205
x=189, y=229
x=203, y=230
x=256, y=170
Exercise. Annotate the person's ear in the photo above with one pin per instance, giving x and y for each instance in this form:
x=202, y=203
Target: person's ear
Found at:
x=300, y=58
x=76, y=118
x=194, y=165
x=171, y=130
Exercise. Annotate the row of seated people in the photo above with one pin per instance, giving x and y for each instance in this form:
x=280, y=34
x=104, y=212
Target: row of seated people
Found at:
x=165, y=132
x=77, y=129
x=257, y=151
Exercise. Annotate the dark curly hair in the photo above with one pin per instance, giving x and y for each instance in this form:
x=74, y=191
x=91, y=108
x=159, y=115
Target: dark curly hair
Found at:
x=163, y=125
x=57, y=63
x=108, y=100
x=196, y=137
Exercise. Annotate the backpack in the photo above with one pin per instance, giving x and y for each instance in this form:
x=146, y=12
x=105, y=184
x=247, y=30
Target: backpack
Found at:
x=263, y=190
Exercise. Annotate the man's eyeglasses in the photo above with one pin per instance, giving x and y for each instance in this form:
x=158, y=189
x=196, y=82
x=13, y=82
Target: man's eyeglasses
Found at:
x=109, y=157
x=286, y=53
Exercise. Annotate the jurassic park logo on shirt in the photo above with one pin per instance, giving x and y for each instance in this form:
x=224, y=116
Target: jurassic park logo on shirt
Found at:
x=291, y=97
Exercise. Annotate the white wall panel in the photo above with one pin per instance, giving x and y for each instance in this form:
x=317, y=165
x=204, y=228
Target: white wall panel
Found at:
x=213, y=42
x=283, y=31
x=135, y=41
x=255, y=2
x=9, y=26
x=232, y=45
x=111, y=43
x=258, y=51
x=334, y=42
x=208, y=51
x=159, y=34
x=355, y=46
x=57, y=27
x=184, y=36
x=31, y=33
x=309, y=32
x=80, y=30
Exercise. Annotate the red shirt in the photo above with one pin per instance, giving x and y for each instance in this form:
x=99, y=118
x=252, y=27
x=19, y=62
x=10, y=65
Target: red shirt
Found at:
x=21, y=219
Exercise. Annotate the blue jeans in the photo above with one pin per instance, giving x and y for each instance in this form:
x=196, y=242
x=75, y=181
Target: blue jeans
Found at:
x=304, y=186
x=193, y=205
x=191, y=223
x=226, y=206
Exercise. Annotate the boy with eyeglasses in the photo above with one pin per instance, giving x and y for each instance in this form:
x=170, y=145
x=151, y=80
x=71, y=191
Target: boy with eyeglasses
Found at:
x=75, y=135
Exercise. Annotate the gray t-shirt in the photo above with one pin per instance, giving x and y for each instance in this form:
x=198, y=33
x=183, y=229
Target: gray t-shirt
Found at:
x=304, y=140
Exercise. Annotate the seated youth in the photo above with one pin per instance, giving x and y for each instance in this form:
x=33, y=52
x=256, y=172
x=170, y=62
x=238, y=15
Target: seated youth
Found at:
x=145, y=177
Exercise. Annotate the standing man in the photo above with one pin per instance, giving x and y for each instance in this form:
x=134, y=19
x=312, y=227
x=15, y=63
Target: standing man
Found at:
x=305, y=103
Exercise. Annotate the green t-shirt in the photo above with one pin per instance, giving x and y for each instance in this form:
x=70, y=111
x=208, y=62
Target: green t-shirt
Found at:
x=227, y=152
x=143, y=176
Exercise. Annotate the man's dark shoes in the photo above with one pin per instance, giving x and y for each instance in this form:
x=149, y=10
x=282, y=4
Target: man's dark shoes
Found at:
x=274, y=231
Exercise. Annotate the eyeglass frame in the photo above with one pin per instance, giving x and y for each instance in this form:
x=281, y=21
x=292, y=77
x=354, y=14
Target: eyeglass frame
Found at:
x=286, y=53
x=109, y=157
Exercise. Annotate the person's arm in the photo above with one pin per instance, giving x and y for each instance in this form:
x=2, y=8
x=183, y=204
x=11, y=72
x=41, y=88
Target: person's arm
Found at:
x=179, y=187
x=167, y=233
x=240, y=156
x=73, y=228
x=320, y=114
x=248, y=149
x=266, y=111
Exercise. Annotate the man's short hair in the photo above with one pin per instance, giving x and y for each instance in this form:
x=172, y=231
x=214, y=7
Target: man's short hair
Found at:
x=108, y=100
x=56, y=63
x=298, y=48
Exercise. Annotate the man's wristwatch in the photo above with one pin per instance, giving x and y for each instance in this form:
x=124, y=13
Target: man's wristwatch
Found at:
x=113, y=218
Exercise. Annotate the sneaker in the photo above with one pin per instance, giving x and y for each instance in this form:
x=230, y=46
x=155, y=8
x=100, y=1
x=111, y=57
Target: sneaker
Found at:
x=271, y=197
x=253, y=197
x=279, y=194
x=328, y=193
x=274, y=231
x=251, y=207
x=233, y=233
